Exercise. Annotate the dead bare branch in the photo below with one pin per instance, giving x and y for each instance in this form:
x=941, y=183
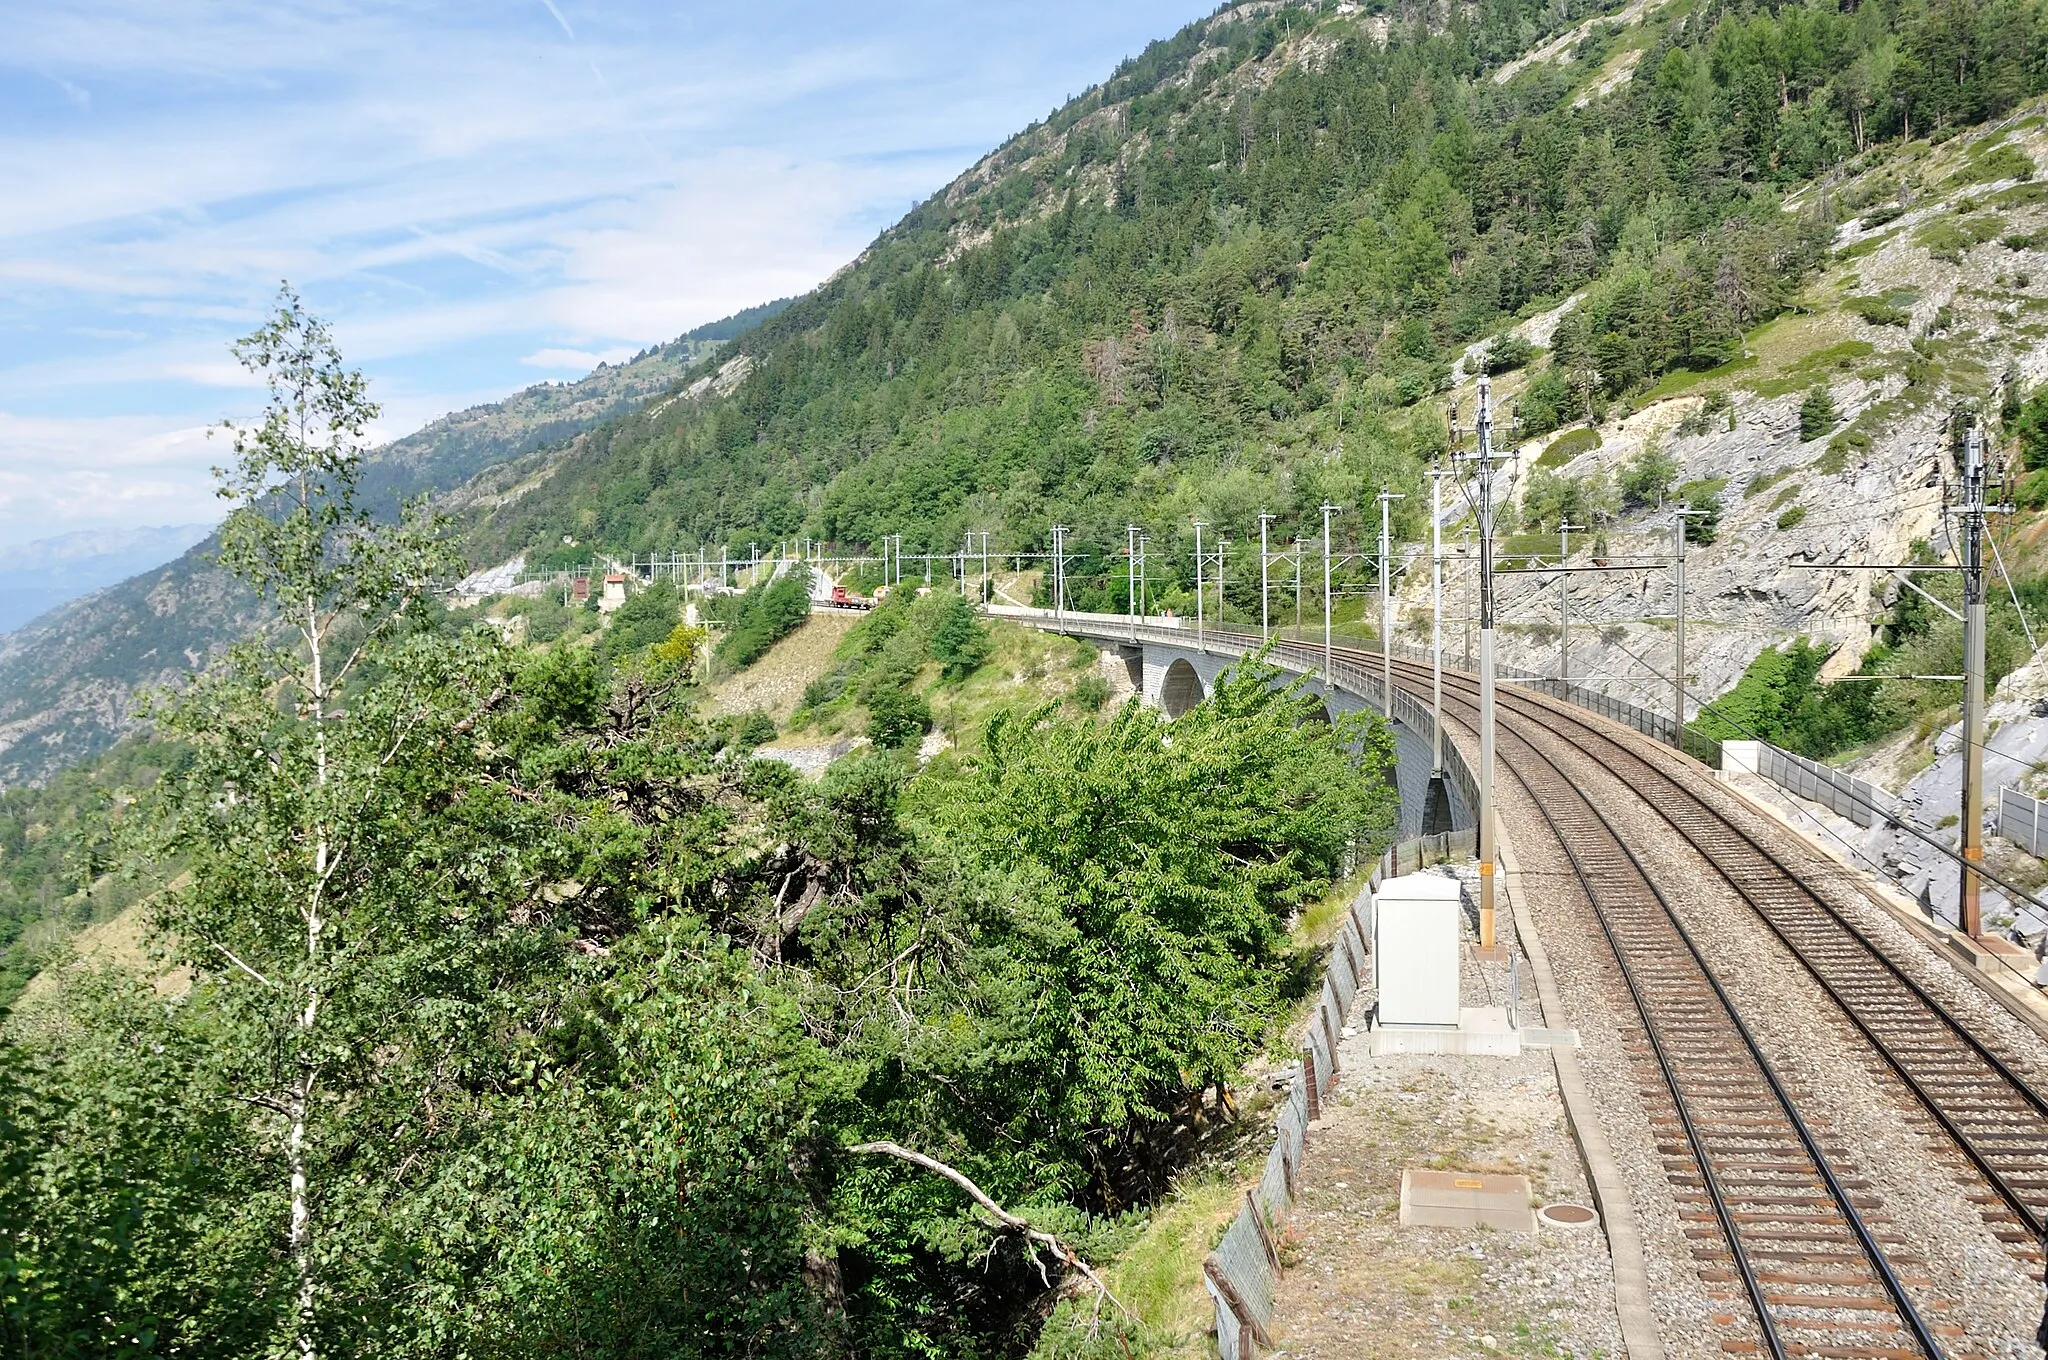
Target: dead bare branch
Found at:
x=1036, y=1236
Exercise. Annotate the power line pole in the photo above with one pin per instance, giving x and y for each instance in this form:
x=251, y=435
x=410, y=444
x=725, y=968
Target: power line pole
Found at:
x=1198, y=580
x=1678, y=518
x=1131, y=574
x=1059, y=572
x=1328, y=510
x=1265, y=594
x=1564, y=623
x=1436, y=619
x=1222, y=548
x=1144, y=551
x=1483, y=464
x=1300, y=558
x=1387, y=499
x=1971, y=906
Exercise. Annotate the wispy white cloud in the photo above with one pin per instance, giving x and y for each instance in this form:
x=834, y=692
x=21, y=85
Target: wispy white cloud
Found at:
x=465, y=189
x=217, y=373
x=559, y=19
x=63, y=474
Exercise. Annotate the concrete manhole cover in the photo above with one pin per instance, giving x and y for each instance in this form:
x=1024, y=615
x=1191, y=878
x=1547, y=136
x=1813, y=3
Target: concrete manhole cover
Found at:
x=1567, y=1216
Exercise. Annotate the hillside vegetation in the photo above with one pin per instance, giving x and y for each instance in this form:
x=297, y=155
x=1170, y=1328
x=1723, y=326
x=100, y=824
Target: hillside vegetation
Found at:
x=1230, y=278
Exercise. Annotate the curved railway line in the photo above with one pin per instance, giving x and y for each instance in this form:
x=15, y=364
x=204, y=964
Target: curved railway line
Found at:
x=1809, y=1248
x=1996, y=1118
x=1806, y=1254
x=1776, y=1207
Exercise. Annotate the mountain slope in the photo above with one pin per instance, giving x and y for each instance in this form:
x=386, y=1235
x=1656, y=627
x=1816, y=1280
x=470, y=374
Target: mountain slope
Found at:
x=68, y=678
x=1237, y=278
x=1230, y=278
x=37, y=577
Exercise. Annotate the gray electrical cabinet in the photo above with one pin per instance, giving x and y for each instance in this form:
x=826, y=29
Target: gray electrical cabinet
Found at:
x=1415, y=949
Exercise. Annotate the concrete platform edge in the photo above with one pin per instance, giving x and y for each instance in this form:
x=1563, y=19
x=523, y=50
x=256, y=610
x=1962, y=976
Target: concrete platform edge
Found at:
x=1639, y=1335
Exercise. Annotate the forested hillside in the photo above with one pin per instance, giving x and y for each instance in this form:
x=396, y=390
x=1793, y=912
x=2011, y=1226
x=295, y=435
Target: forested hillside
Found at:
x=515, y=1010
x=1227, y=279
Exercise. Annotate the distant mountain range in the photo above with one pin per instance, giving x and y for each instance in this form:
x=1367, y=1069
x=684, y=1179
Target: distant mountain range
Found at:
x=37, y=577
x=147, y=611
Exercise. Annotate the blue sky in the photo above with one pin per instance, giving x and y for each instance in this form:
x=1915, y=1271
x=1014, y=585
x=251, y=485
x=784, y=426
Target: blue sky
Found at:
x=478, y=195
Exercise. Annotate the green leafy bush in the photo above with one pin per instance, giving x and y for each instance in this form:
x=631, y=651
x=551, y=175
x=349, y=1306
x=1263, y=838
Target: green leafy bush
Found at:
x=958, y=640
x=1508, y=352
x=1548, y=402
x=764, y=615
x=1792, y=518
x=1090, y=692
x=1551, y=499
x=897, y=716
x=1702, y=496
x=1647, y=477
x=1879, y=311
x=649, y=614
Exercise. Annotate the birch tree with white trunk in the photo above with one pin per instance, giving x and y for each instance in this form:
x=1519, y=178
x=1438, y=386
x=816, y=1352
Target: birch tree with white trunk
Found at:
x=298, y=739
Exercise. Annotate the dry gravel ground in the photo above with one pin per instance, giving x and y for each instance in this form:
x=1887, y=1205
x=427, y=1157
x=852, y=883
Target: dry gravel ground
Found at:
x=1359, y=1285
x=1974, y=1281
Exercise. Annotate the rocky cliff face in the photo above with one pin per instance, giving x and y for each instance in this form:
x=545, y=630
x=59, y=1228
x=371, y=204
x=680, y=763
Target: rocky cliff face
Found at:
x=1934, y=294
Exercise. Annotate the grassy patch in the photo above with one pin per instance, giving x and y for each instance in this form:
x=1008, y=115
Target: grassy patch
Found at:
x=1159, y=1277
x=1866, y=246
x=1947, y=236
x=2019, y=196
x=1764, y=481
x=1994, y=158
x=1568, y=446
x=1321, y=922
x=1805, y=371
x=1685, y=379
x=1792, y=518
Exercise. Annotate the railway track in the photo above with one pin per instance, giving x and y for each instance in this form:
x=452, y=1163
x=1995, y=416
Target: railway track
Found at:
x=1773, y=1210
x=1996, y=1120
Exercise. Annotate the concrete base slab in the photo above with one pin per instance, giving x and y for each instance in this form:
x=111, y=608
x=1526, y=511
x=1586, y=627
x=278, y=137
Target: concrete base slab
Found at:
x=1481, y=1032
x=1991, y=954
x=1451, y=1199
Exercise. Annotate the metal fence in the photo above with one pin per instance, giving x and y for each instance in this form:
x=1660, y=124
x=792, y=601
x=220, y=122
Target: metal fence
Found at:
x=2019, y=820
x=1649, y=722
x=1243, y=1270
x=1861, y=801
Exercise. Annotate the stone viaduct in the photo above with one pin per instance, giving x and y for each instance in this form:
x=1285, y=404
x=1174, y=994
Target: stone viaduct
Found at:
x=1174, y=670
